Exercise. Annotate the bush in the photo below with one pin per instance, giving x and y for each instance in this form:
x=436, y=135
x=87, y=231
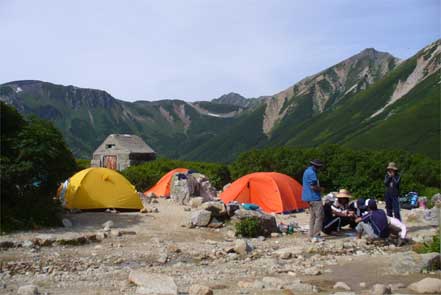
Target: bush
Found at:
x=82, y=164
x=146, y=175
x=360, y=171
x=34, y=160
x=428, y=247
x=249, y=227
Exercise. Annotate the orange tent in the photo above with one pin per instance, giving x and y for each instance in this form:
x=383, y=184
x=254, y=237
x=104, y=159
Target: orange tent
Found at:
x=162, y=187
x=271, y=191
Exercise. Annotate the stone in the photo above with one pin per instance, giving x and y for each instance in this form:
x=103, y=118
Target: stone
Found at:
x=107, y=225
x=380, y=289
x=201, y=218
x=196, y=202
x=287, y=253
x=414, y=263
x=242, y=247
x=362, y=285
x=426, y=286
x=217, y=209
x=215, y=223
x=268, y=222
x=115, y=233
x=300, y=287
x=150, y=283
x=66, y=222
x=27, y=244
x=312, y=271
x=273, y=283
x=342, y=285
x=199, y=290
x=436, y=199
x=232, y=208
x=7, y=244
x=28, y=290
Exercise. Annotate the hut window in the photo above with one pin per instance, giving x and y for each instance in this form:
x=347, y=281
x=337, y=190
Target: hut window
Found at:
x=109, y=146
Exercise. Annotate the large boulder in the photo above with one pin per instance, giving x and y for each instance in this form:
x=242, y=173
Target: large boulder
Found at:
x=200, y=218
x=414, y=263
x=426, y=286
x=268, y=222
x=217, y=208
x=187, y=186
x=149, y=283
x=436, y=200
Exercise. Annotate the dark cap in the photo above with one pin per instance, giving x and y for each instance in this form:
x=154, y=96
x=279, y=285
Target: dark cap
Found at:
x=316, y=163
x=361, y=204
x=372, y=205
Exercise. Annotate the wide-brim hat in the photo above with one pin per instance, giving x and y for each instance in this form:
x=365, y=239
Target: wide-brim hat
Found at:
x=317, y=163
x=392, y=166
x=343, y=193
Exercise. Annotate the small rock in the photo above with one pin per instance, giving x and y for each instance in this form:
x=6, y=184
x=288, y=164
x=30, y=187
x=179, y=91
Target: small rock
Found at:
x=27, y=244
x=195, y=202
x=273, y=283
x=313, y=271
x=201, y=218
x=275, y=235
x=380, y=289
x=426, y=286
x=187, y=209
x=66, y=222
x=215, y=223
x=242, y=247
x=342, y=285
x=362, y=285
x=115, y=233
x=149, y=283
x=107, y=225
x=200, y=290
x=28, y=290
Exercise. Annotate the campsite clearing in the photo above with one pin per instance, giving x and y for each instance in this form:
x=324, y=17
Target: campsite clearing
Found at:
x=158, y=243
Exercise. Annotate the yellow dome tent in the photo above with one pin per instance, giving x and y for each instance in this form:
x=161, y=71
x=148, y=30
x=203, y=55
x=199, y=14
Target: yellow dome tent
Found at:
x=98, y=188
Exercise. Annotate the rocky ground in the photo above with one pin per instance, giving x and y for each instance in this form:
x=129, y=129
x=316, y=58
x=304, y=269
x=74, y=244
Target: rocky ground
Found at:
x=129, y=253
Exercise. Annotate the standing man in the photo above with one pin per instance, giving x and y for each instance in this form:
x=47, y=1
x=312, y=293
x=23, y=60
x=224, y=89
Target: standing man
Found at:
x=392, y=194
x=311, y=195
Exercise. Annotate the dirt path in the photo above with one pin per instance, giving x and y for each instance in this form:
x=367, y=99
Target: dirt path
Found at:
x=159, y=243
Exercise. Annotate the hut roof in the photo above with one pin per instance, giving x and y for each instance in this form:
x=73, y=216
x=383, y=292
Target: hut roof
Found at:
x=125, y=142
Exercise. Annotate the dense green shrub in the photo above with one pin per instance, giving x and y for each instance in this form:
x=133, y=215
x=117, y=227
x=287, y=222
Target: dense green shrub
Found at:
x=146, y=175
x=34, y=160
x=428, y=247
x=82, y=164
x=249, y=227
x=360, y=171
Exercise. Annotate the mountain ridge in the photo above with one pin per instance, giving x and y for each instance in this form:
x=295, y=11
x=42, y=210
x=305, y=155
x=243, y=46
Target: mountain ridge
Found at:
x=216, y=129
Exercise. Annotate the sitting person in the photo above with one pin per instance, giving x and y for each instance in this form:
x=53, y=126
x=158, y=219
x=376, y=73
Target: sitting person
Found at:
x=337, y=213
x=374, y=224
x=398, y=228
x=358, y=207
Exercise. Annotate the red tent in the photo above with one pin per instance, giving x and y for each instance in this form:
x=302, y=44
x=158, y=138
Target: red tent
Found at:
x=273, y=192
x=162, y=187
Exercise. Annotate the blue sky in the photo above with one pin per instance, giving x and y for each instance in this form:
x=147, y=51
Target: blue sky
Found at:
x=197, y=50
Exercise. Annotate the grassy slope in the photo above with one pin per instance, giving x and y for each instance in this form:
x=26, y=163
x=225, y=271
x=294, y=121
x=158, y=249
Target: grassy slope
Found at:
x=244, y=133
x=414, y=124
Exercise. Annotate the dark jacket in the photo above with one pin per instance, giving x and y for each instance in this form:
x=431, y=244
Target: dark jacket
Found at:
x=378, y=220
x=392, y=184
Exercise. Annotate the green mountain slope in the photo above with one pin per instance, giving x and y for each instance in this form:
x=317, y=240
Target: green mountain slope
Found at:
x=370, y=100
x=87, y=116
